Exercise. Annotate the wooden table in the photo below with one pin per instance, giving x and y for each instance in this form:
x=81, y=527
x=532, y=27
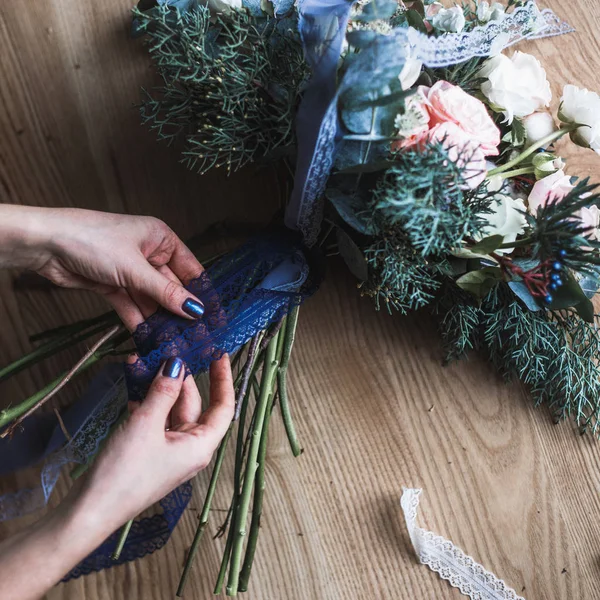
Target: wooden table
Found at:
x=374, y=408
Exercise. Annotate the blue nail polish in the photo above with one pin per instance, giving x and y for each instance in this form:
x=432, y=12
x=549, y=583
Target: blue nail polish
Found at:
x=173, y=367
x=193, y=308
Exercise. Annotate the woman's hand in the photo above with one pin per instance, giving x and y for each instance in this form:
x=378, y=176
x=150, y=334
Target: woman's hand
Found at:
x=141, y=463
x=132, y=261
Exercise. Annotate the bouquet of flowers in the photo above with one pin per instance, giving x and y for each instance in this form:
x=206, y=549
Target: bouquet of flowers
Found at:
x=422, y=153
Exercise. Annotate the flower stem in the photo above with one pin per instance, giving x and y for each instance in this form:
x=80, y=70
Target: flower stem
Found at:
x=239, y=527
x=517, y=172
x=555, y=135
x=288, y=342
x=122, y=539
x=205, y=511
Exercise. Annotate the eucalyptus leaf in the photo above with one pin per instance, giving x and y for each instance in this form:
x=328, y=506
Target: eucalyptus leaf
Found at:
x=352, y=255
x=571, y=295
x=371, y=167
x=488, y=244
x=589, y=285
x=376, y=121
x=352, y=208
x=377, y=9
x=520, y=291
x=479, y=283
x=415, y=20
x=361, y=38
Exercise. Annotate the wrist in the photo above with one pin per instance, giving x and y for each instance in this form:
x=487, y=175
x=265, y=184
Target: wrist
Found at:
x=25, y=236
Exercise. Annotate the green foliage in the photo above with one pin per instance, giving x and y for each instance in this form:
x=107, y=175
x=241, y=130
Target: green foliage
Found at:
x=231, y=84
x=553, y=352
x=463, y=75
x=424, y=194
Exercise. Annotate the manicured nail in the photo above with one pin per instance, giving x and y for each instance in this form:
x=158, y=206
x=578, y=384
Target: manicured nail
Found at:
x=193, y=308
x=173, y=367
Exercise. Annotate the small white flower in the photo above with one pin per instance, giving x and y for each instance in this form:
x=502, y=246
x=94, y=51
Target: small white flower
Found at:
x=582, y=107
x=538, y=126
x=590, y=217
x=222, y=6
x=515, y=86
x=449, y=20
x=507, y=219
x=487, y=13
x=410, y=73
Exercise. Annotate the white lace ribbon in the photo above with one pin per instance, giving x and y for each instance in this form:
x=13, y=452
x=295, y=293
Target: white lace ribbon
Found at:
x=450, y=562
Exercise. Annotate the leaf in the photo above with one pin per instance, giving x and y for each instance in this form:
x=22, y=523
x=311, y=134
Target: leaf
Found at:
x=517, y=135
x=377, y=9
x=520, y=291
x=418, y=6
x=352, y=210
x=479, y=283
x=589, y=285
x=488, y=244
x=458, y=265
x=393, y=98
x=415, y=20
x=361, y=38
x=352, y=255
x=464, y=253
x=372, y=167
x=267, y=7
x=571, y=295
x=377, y=121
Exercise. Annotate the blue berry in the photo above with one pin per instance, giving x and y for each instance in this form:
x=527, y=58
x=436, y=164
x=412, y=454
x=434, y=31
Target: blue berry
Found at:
x=555, y=276
x=562, y=253
x=548, y=299
x=557, y=266
x=553, y=286
x=559, y=282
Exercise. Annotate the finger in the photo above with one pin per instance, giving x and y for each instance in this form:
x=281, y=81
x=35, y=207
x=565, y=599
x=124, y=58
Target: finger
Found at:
x=215, y=420
x=146, y=304
x=126, y=308
x=184, y=264
x=165, y=390
x=146, y=280
x=132, y=405
x=188, y=407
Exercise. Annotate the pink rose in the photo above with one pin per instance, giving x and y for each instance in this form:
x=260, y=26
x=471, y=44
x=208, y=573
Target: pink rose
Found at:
x=553, y=187
x=447, y=102
x=463, y=151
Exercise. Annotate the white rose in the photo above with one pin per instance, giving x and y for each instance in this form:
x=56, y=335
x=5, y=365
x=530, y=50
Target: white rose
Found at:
x=516, y=86
x=487, y=13
x=538, y=126
x=590, y=217
x=449, y=20
x=507, y=219
x=410, y=73
x=582, y=107
x=223, y=6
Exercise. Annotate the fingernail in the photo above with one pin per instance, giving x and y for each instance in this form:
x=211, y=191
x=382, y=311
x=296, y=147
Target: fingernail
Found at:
x=193, y=308
x=173, y=367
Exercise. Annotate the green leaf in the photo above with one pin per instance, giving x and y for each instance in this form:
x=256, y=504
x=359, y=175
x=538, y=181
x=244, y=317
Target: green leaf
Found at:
x=418, y=6
x=376, y=10
x=377, y=121
x=361, y=38
x=571, y=295
x=351, y=207
x=589, y=285
x=479, y=283
x=352, y=255
x=517, y=134
x=520, y=291
x=372, y=167
x=393, y=98
x=416, y=20
x=488, y=244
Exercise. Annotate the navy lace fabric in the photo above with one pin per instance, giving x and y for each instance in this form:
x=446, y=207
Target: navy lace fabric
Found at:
x=242, y=294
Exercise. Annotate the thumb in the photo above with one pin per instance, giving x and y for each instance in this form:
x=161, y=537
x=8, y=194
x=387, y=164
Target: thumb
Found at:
x=165, y=389
x=166, y=292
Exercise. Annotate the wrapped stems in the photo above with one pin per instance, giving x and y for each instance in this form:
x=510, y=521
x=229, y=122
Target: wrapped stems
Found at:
x=288, y=341
x=267, y=391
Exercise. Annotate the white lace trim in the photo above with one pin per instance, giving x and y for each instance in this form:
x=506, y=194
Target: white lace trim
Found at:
x=450, y=562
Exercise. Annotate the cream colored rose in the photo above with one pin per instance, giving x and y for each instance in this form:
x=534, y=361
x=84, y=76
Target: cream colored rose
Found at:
x=515, y=86
x=582, y=107
x=538, y=126
x=507, y=219
x=410, y=73
x=449, y=20
x=487, y=13
x=590, y=217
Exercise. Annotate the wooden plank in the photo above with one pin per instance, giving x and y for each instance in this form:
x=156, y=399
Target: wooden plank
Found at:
x=374, y=408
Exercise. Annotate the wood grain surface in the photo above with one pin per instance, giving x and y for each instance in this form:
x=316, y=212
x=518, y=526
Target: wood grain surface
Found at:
x=373, y=406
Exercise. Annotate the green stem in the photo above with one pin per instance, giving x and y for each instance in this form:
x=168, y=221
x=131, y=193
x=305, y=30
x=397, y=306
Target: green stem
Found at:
x=205, y=511
x=10, y=414
x=289, y=336
x=555, y=135
x=239, y=527
x=517, y=172
x=122, y=539
x=259, y=490
x=108, y=318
